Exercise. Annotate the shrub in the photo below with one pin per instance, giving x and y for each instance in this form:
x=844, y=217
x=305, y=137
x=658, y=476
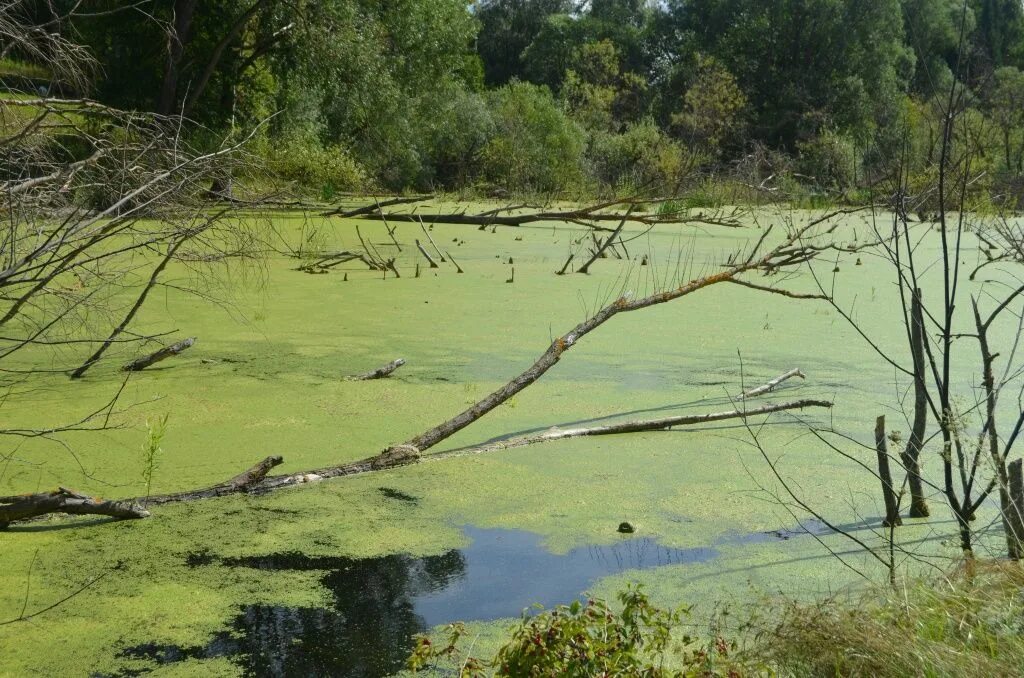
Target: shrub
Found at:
x=828, y=160
x=535, y=147
x=583, y=640
x=642, y=156
x=312, y=166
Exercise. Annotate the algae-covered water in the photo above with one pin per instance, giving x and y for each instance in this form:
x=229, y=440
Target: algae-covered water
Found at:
x=335, y=577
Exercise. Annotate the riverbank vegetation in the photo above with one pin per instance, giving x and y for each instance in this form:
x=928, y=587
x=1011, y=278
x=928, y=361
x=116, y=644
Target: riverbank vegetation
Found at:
x=190, y=269
x=790, y=98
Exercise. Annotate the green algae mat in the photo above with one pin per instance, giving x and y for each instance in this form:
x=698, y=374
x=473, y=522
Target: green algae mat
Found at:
x=230, y=585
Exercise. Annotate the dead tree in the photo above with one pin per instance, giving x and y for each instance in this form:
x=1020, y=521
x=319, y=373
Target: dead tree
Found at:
x=892, y=506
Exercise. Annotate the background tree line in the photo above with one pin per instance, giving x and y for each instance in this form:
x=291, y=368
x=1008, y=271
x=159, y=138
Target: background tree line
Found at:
x=558, y=95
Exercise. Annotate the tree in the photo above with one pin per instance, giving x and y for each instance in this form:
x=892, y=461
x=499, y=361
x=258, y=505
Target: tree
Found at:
x=713, y=108
x=1006, y=105
x=508, y=27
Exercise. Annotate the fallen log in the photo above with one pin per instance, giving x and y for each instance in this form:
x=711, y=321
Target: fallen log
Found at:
x=404, y=455
x=631, y=427
x=243, y=482
x=771, y=385
x=156, y=356
x=63, y=500
x=376, y=206
x=381, y=372
x=574, y=216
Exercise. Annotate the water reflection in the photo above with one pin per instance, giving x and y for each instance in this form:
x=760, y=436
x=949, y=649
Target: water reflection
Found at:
x=379, y=604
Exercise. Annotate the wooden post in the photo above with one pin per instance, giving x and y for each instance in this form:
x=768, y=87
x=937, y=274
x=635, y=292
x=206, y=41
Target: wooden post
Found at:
x=892, y=509
x=1015, y=521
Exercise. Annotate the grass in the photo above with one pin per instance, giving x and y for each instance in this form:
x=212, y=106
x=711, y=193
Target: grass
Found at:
x=968, y=623
x=22, y=69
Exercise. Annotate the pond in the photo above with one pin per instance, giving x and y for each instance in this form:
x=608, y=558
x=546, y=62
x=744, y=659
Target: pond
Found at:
x=379, y=604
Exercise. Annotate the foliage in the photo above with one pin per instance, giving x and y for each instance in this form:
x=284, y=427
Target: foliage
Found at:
x=967, y=624
x=642, y=157
x=535, y=146
x=326, y=169
x=713, y=107
x=592, y=639
x=152, y=450
x=394, y=94
x=828, y=161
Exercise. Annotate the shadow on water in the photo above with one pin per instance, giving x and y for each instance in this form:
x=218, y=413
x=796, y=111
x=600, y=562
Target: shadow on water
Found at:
x=379, y=604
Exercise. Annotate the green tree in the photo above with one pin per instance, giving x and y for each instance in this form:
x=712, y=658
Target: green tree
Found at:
x=713, y=108
x=1006, y=106
x=535, y=147
x=508, y=27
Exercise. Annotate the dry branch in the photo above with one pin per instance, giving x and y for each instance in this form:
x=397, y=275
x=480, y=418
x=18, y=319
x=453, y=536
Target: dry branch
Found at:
x=381, y=372
x=772, y=384
x=599, y=250
x=162, y=354
x=433, y=264
x=634, y=427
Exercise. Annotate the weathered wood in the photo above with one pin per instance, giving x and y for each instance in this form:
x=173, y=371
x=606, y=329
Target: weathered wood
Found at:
x=599, y=250
x=162, y=354
x=582, y=216
x=332, y=259
x=911, y=455
x=430, y=261
x=381, y=372
x=454, y=263
x=376, y=206
x=1015, y=521
x=63, y=500
x=774, y=383
x=402, y=455
x=660, y=424
x=892, y=509
x=243, y=482
x=433, y=244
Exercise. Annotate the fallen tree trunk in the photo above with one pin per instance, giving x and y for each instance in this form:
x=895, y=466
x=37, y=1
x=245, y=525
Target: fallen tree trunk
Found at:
x=156, y=356
x=632, y=427
x=404, y=455
x=376, y=206
x=243, y=482
x=380, y=372
x=589, y=214
x=771, y=385
x=63, y=500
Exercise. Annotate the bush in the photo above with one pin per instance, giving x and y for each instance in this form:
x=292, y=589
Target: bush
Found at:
x=583, y=640
x=641, y=157
x=455, y=128
x=310, y=165
x=829, y=161
x=535, y=147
